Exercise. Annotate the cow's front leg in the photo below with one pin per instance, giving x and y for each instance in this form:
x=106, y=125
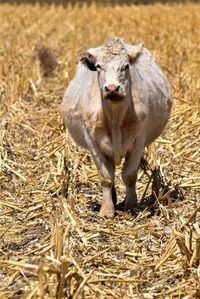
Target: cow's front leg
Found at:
x=106, y=169
x=129, y=174
x=107, y=172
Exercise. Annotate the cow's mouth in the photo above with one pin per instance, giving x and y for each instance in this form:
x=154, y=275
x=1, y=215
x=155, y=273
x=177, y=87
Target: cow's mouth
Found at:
x=115, y=97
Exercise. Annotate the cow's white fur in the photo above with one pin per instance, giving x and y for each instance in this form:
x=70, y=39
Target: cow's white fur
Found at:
x=112, y=131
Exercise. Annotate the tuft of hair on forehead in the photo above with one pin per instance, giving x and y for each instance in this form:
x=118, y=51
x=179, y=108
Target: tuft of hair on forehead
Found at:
x=113, y=48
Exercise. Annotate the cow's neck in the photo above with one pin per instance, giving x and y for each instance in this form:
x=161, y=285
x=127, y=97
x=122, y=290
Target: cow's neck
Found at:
x=116, y=114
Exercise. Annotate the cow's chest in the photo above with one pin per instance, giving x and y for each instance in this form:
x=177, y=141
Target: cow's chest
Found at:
x=115, y=142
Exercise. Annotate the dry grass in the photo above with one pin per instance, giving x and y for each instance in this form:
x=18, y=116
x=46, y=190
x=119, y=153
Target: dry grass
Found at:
x=53, y=245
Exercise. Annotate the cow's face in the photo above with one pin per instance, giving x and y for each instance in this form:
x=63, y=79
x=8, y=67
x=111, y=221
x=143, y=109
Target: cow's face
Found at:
x=113, y=67
x=114, y=78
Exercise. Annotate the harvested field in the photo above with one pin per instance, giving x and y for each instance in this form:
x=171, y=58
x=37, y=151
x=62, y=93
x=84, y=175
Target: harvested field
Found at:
x=53, y=245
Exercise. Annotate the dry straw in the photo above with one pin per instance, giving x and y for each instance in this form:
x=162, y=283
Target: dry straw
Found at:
x=53, y=245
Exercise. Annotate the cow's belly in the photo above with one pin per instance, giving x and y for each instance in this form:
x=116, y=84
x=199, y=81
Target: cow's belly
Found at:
x=76, y=130
x=157, y=120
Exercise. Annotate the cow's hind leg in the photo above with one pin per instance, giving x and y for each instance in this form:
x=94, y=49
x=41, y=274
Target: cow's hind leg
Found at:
x=129, y=174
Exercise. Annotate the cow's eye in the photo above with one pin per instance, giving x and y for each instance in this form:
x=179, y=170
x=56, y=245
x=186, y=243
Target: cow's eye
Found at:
x=125, y=67
x=98, y=67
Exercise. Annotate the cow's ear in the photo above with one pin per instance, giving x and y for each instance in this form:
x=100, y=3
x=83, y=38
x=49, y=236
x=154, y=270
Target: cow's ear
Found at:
x=88, y=60
x=135, y=52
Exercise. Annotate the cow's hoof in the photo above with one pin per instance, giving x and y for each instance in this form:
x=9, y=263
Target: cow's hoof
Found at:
x=107, y=213
x=132, y=207
x=131, y=204
x=134, y=210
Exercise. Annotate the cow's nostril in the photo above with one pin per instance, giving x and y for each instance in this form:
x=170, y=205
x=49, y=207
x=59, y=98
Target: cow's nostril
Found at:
x=106, y=88
x=112, y=88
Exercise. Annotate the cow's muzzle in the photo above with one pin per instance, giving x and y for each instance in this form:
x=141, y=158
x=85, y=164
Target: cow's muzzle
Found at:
x=114, y=97
x=113, y=94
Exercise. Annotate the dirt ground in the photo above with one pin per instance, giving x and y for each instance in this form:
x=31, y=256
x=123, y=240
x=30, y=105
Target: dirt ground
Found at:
x=52, y=243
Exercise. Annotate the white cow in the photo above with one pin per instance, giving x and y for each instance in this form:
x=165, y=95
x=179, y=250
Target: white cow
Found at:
x=118, y=102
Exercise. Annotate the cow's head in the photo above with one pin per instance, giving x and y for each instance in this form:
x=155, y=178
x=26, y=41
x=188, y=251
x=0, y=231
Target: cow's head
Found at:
x=113, y=66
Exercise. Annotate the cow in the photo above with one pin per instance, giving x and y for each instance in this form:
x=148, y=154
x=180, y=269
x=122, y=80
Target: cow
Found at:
x=118, y=103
